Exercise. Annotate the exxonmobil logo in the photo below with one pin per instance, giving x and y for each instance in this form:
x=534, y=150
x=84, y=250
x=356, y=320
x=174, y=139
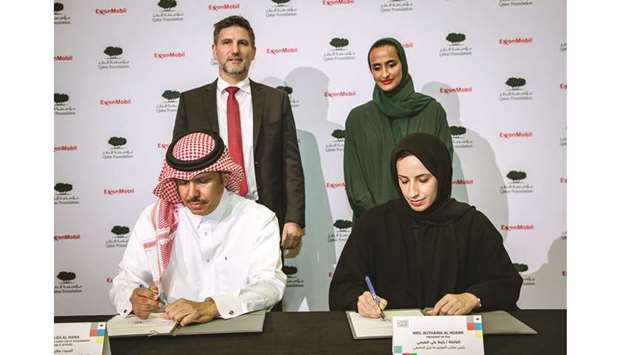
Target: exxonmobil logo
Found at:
x=167, y=55
x=337, y=2
x=518, y=40
x=67, y=237
x=104, y=102
x=63, y=58
x=227, y=6
x=459, y=90
x=463, y=182
x=163, y=146
x=334, y=185
x=284, y=50
x=66, y=148
x=118, y=191
x=339, y=93
x=517, y=227
x=518, y=134
x=111, y=11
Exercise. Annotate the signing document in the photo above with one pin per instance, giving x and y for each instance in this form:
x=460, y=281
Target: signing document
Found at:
x=133, y=326
x=155, y=324
x=494, y=322
x=365, y=328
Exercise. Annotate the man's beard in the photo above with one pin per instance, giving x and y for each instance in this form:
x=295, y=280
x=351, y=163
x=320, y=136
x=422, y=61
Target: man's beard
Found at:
x=235, y=71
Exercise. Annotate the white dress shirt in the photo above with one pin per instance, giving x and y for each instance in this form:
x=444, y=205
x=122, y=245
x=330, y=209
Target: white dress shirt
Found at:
x=244, y=98
x=231, y=255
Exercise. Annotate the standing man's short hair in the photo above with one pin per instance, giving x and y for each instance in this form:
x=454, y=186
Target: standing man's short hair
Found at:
x=233, y=21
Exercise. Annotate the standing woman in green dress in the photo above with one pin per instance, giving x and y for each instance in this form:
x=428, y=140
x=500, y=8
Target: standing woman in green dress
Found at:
x=374, y=128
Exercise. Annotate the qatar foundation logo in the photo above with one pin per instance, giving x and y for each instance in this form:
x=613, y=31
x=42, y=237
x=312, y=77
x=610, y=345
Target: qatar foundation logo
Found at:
x=294, y=100
x=456, y=46
x=517, y=3
x=520, y=267
x=517, y=183
x=113, y=59
x=342, y=230
x=336, y=144
x=120, y=237
x=64, y=194
x=460, y=138
x=396, y=5
x=167, y=11
x=281, y=8
x=66, y=282
x=118, y=149
x=516, y=91
x=339, y=51
x=62, y=106
x=60, y=16
x=169, y=102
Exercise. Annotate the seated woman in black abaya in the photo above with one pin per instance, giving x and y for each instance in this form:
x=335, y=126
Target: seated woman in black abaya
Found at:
x=424, y=249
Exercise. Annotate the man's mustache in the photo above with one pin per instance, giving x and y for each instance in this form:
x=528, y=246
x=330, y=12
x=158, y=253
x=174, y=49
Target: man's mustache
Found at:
x=195, y=199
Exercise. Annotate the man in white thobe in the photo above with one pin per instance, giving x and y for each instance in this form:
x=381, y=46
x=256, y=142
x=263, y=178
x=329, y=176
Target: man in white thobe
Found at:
x=200, y=251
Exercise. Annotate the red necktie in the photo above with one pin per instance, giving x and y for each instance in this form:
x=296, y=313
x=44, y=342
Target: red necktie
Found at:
x=235, y=146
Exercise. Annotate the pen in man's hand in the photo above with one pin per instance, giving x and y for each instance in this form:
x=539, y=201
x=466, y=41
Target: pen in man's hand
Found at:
x=374, y=295
x=158, y=295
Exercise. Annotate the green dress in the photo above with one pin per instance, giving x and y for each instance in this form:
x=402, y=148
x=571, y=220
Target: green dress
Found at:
x=369, y=142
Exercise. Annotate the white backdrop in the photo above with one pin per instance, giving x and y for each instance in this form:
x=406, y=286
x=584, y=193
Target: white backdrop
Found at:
x=118, y=66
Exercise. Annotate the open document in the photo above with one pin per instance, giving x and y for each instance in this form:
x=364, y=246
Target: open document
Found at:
x=131, y=325
x=367, y=328
x=495, y=322
x=157, y=325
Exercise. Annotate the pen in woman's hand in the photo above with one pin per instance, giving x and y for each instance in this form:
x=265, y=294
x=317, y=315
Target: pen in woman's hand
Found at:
x=374, y=296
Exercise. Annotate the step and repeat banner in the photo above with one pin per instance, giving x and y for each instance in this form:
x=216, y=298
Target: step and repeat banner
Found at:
x=498, y=67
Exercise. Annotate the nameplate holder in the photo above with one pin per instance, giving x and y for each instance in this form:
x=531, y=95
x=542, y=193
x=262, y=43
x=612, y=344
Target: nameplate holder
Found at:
x=437, y=335
x=81, y=338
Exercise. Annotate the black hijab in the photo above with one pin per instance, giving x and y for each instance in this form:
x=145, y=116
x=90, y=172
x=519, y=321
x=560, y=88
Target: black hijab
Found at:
x=433, y=153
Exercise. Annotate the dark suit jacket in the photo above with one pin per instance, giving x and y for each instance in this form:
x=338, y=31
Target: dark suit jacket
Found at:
x=279, y=174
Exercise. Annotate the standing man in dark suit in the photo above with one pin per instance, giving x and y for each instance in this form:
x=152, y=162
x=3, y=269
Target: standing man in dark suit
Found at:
x=256, y=123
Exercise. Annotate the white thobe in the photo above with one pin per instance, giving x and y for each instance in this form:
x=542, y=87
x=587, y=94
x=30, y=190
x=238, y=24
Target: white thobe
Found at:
x=231, y=255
